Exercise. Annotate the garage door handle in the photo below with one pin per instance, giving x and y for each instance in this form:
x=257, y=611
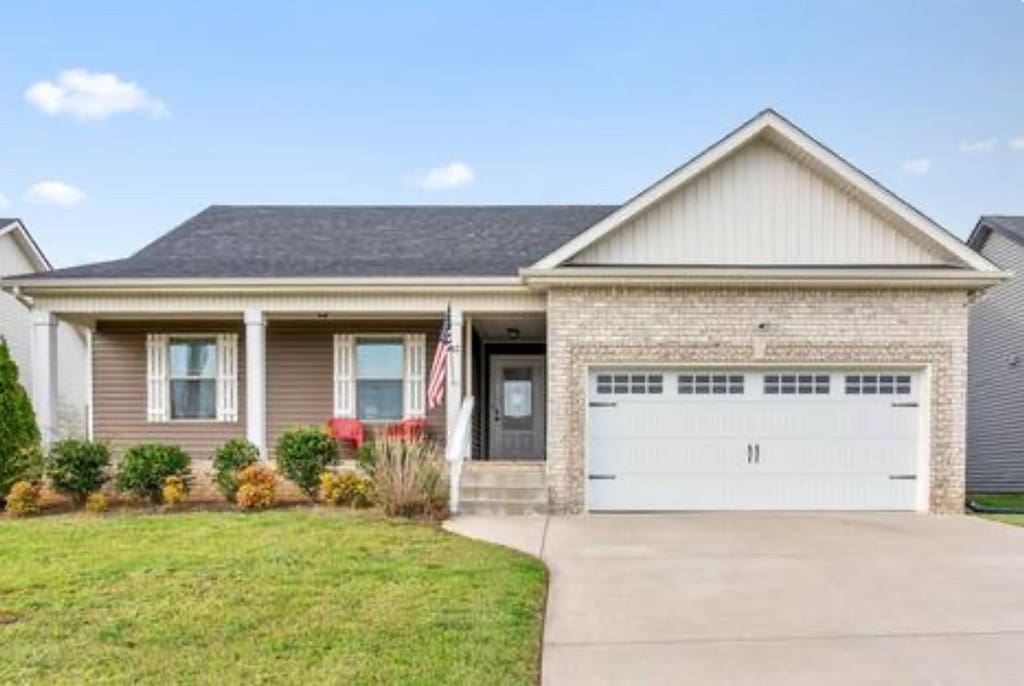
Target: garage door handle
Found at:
x=910, y=404
x=903, y=477
x=595, y=403
x=750, y=453
x=757, y=453
x=600, y=477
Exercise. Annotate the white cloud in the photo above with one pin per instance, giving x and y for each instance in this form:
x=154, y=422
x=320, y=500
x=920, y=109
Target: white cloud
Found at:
x=979, y=146
x=1017, y=143
x=918, y=166
x=448, y=176
x=92, y=96
x=55, y=193
x=4, y=201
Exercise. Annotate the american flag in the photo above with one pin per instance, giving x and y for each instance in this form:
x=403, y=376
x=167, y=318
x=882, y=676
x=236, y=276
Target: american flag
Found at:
x=439, y=369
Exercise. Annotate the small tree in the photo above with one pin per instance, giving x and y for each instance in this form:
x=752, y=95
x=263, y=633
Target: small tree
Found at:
x=304, y=454
x=19, y=434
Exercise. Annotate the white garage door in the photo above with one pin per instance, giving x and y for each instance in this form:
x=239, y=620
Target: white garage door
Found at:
x=752, y=440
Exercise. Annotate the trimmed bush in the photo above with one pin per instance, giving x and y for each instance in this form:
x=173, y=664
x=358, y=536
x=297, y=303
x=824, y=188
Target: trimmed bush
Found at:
x=345, y=488
x=77, y=468
x=174, y=491
x=144, y=469
x=304, y=454
x=228, y=461
x=23, y=499
x=97, y=503
x=256, y=488
x=20, y=459
x=408, y=479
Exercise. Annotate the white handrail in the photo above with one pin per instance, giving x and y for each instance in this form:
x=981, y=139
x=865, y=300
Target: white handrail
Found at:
x=457, y=450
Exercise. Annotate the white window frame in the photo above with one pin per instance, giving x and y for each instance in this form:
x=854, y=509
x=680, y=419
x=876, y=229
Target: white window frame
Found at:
x=159, y=377
x=413, y=378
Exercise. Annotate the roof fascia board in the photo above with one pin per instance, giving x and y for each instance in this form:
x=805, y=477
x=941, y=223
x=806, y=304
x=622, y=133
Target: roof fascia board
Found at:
x=746, y=276
x=31, y=285
x=816, y=150
x=28, y=245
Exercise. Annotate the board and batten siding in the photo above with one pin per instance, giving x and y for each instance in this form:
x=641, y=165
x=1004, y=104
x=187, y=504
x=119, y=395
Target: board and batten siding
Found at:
x=300, y=370
x=759, y=206
x=119, y=389
x=995, y=395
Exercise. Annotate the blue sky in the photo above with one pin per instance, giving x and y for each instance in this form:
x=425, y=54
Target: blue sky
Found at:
x=548, y=102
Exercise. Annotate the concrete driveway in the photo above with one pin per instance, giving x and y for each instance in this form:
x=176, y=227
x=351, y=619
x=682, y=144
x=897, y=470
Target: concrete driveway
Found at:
x=776, y=598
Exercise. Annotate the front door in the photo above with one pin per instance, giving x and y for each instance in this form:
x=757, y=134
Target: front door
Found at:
x=516, y=409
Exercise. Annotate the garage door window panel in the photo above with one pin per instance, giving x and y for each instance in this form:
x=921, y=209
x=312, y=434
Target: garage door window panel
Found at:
x=710, y=383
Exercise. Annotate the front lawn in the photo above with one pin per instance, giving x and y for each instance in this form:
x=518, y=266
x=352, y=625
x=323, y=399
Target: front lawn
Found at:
x=312, y=597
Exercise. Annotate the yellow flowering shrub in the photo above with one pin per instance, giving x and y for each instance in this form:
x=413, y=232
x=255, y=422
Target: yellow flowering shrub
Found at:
x=345, y=488
x=256, y=488
x=174, y=490
x=23, y=499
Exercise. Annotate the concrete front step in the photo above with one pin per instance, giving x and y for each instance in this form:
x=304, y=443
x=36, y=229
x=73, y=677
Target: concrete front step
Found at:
x=503, y=488
x=501, y=508
x=503, y=492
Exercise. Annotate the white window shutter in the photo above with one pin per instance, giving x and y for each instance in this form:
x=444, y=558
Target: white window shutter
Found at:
x=156, y=377
x=344, y=375
x=227, y=377
x=415, y=375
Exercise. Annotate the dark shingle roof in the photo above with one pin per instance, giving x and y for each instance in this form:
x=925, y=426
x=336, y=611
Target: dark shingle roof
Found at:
x=315, y=241
x=4, y=221
x=1010, y=226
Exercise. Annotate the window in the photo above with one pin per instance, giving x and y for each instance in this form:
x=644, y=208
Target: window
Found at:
x=878, y=384
x=796, y=384
x=193, y=378
x=379, y=369
x=704, y=383
x=630, y=383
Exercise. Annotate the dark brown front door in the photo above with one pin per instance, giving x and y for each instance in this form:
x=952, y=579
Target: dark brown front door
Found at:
x=517, y=411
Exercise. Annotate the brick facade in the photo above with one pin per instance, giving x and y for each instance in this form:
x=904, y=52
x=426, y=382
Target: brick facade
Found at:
x=590, y=326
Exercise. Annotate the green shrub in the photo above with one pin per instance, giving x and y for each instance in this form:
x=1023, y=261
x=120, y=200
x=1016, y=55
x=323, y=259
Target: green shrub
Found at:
x=408, y=479
x=304, y=454
x=78, y=468
x=345, y=488
x=228, y=461
x=256, y=490
x=144, y=469
x=23, y=499
x=20, y=459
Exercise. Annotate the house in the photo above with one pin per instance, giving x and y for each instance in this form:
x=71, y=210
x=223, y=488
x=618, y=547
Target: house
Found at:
x=766, y=327
x=995, y=390
x=19, y=254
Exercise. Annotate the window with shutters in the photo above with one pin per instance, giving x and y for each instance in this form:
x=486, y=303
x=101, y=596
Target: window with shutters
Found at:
x=192, y=377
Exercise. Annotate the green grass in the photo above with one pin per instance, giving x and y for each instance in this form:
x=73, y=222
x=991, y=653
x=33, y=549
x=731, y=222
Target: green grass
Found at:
x=312, y=597
x=1012, y=500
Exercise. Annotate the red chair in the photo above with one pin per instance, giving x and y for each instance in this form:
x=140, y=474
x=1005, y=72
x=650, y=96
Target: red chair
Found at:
x=343, y=429
x=408, y=430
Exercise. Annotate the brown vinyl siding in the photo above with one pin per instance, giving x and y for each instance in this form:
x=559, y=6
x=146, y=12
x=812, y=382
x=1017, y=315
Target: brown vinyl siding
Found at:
x=300, y=370
x=119, y=389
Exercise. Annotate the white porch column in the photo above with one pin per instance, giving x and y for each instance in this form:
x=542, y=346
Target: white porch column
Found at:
x=44, y=373
x=453, y=394
x=256, y=379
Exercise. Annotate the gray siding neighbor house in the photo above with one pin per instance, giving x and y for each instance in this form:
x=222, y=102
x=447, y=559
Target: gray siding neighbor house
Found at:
x=995, y=396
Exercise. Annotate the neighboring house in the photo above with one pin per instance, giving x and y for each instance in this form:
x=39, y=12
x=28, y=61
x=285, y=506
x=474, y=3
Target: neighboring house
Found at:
x=765, y=327
x=19, y=254
x=995, y=396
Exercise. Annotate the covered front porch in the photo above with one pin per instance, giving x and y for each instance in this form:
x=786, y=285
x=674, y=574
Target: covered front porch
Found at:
x=201, y=378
